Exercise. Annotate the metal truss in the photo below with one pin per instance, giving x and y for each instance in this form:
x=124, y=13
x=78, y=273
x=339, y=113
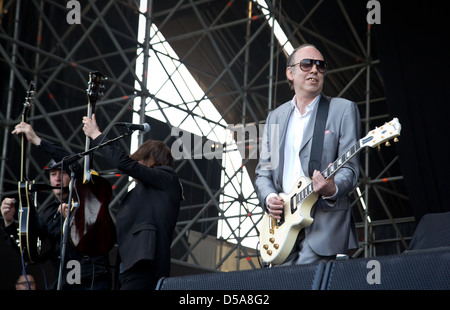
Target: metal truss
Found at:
x=242, y=88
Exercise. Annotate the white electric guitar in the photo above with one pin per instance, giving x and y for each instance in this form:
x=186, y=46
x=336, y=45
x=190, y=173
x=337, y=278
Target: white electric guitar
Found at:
x=277, y=237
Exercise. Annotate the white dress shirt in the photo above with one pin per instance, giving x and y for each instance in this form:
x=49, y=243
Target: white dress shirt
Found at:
x=292, y=169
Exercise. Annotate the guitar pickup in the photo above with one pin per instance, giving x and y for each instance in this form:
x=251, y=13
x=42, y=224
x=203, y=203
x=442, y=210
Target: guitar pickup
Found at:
x=293, y=204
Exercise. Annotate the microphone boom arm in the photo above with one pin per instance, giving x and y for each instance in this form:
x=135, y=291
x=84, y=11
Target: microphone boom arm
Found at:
x=73, y=158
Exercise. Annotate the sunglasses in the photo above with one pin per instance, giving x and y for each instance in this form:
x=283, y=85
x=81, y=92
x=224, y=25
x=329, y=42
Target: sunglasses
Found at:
x=307, y=64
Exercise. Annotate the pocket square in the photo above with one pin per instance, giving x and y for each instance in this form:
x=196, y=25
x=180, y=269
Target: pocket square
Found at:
x=327, y=131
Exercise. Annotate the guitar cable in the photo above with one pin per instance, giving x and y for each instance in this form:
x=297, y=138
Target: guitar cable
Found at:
x=24, y=272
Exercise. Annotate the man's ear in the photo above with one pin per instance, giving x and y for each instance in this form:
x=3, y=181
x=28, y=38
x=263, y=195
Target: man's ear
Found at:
x=289, y=74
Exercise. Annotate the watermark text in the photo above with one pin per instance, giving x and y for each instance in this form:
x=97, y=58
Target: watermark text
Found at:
x=74, y=15
x=374, y=14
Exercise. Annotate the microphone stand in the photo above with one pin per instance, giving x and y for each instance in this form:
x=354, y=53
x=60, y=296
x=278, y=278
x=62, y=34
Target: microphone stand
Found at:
x=70, y=160
x=65, y=230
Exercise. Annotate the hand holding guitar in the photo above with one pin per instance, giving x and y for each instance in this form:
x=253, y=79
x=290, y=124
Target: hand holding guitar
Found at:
x=8, y=210
x=90, y=127
x=322, y=186
x=63, y=209
x=26, y=129
x=275, y=206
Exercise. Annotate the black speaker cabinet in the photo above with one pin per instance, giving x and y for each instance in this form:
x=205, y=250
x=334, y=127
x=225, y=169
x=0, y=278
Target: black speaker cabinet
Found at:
x=413, y=270
x=304, y=277
x=427, y=269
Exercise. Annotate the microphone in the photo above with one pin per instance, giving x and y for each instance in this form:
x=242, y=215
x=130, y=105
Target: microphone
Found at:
x=142, y=127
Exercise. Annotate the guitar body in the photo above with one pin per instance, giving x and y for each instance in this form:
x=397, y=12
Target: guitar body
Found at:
x=277, y=237
x=92, y=230
x=29, y=242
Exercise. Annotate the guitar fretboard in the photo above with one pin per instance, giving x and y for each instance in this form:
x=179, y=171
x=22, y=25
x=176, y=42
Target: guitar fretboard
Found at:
x=331, y=170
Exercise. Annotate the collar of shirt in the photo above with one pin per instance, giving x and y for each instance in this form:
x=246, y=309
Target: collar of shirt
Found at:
x=309, y=107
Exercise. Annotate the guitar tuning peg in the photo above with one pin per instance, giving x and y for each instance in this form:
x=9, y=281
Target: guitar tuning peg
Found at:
x=388, y=144
x=396, y=140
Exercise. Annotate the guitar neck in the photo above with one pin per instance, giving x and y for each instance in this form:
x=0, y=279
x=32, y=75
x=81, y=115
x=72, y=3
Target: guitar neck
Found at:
x=341, y=161
x=22, y=158
x=331, y=169
x=94, y=91
x=88, y=158
x=26, y=108
x=23, y=143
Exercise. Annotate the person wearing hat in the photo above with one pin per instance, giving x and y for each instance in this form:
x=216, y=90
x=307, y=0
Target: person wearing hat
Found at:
x=95, y=271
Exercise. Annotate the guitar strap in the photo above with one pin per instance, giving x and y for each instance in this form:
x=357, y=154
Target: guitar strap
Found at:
x=318, y=136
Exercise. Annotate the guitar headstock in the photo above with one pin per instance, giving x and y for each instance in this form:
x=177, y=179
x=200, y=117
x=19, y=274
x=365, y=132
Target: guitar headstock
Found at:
x=383, y=134
x=96, y=87
x=28, y=100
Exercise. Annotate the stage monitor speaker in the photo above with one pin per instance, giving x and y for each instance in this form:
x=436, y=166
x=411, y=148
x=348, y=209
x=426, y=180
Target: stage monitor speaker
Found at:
x=415, y=270
x=433, y=231
x=306, y=277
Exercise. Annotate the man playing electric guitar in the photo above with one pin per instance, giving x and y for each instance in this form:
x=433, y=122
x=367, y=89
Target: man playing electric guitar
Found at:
x=95, y=271
x=332, y=230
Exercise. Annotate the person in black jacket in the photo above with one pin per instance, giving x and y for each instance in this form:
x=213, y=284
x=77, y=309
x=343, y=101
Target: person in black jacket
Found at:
x=95, y=270
x=147, y=215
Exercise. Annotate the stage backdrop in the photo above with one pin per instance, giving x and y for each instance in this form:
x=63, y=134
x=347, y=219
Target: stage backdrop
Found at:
x=412, y=42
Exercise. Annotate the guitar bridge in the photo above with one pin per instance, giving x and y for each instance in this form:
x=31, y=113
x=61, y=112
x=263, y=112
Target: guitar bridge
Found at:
x=272, y=225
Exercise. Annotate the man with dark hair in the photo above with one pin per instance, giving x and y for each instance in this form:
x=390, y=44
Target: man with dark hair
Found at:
x=147, y=215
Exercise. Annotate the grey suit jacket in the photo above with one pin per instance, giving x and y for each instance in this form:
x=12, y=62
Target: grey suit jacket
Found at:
x=333, y=230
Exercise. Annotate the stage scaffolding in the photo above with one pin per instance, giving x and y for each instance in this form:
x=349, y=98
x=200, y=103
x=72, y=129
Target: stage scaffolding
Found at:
x=354, y=74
